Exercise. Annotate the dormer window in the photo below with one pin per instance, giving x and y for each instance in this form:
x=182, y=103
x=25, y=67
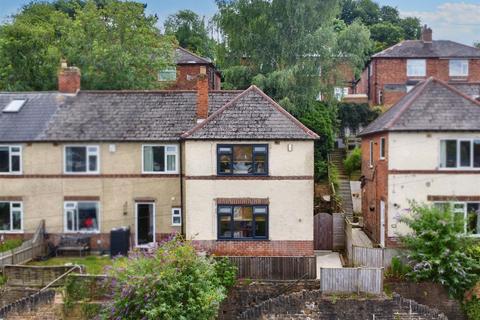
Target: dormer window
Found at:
x=458, y=68
x=14, y=106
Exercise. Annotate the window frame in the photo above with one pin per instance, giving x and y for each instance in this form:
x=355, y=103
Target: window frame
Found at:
x=417, y=75
x=370, y=153
x=10, y=155
x=232, y=145
x=87, y=164
x=450, y=61
x=465, y=213
x=383, y=144
x=65, y=223
x=231, y=215
x=12, y=209
x=458, y=154
x=178, y=215
x=166, y=153
x=170, y=71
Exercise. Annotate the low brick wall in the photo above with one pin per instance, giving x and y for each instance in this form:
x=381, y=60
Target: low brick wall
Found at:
x=430, y=294
x=34, y=276
x=283, y=248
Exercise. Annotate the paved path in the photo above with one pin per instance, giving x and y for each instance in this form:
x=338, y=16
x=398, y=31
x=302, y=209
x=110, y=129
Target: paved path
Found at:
x=327, y=259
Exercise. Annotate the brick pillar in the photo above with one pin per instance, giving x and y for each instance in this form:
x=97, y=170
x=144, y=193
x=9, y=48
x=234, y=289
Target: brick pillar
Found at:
x=202, y=94
x=68, y=79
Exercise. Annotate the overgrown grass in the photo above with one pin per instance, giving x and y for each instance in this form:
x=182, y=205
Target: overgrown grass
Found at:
x=92, y=264
x=10, y=244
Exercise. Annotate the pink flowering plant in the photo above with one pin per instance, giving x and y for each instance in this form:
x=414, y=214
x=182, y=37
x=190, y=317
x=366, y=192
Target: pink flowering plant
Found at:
x=171, y=282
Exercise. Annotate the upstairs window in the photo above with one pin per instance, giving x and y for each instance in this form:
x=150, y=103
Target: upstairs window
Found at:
x=10, y=159
x=463, y=154
x=242, y=222
x=416, y=68
x=370, y=160
x=242, y=159
x=458, y=68
x=11, y=216
x=160, y=159
x=382, y=148
x=81, y=159
x=81, y=216
x=168, y=75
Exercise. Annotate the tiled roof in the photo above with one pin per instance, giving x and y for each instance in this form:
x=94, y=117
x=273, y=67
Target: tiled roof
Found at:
x=31, y=120
x=183, y=56
x=435, y=49
x=431, y=105
x=251, y=115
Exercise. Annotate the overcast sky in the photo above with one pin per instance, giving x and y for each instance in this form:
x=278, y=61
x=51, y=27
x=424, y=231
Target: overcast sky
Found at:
x=452, y=20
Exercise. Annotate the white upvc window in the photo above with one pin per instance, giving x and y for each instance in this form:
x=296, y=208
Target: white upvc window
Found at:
x=340, y=92
x=81, y=216
x=11, y=217
x=460, y=154
x=160, y=159
x=468, y=212
x=416, y=67
x=80, y=159
x=370, y=159
x=176, y=217
x=10, y=159
x=458, y=67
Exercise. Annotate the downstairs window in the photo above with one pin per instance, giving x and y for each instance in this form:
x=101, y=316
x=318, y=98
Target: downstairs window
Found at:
x=11, y=216
x=81, y=216
x=237, y=222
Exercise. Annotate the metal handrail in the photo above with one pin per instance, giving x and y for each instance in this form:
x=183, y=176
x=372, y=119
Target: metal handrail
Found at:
x=60, y=277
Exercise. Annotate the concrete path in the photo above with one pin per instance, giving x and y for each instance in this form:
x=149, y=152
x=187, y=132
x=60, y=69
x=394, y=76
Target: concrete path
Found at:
x=327, y=259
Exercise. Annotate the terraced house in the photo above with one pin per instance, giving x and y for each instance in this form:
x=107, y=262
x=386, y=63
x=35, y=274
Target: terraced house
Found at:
x=231, y=170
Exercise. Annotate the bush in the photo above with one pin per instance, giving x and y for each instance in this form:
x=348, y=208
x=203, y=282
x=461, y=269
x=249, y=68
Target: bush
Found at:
x=398, y=269
x=353, y=162
x=472, y=308
x=10, y=244
x=173, y=282
x=439, y=249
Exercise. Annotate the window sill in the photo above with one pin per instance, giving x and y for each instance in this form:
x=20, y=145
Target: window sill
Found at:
x=11, y=173
x=82, y=232
x=81, y=173
x=12, y=232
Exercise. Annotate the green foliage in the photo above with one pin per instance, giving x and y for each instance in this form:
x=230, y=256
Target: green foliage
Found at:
x=92, y=264
x=10, y=244
x=191, y=32
x=333, y=176
x=398, y=269
x=102, y=38
x=83, y=290
x=3, y=280
x=386, y=34
x=237, y=77
x=472, y=308
x=173, y=282
x=353, y=162
x=353, y=116
x=438, y=249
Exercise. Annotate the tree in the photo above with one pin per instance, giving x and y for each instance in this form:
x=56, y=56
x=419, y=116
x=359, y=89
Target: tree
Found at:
x=438, y=249
x=411, y=28
x=191, y=32
x=386, y=34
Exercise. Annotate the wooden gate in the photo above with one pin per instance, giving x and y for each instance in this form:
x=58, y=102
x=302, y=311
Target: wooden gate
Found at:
x=323, y=231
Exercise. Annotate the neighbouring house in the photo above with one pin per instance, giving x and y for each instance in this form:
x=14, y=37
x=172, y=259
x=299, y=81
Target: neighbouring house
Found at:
x=231, y=170
x=425, y=148
x=184, y=75
x=393, y=72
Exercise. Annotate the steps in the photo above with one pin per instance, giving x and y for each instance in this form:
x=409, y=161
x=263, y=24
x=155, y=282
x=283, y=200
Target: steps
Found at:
x=344, y=192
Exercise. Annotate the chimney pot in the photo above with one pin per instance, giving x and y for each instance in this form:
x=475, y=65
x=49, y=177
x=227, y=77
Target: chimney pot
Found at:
x=202, y=94
x=426, y=34
x=68, y=78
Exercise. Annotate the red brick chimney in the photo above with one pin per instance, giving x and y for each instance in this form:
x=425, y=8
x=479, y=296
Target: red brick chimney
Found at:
x=202, y=94
x=68, y=78
x=426, y=34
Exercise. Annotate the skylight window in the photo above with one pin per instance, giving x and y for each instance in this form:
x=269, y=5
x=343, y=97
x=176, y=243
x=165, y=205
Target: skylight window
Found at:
x=14, y=106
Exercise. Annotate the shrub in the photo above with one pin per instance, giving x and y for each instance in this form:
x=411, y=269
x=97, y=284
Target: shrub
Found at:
x=439, y=249
x=173, y=282
x=398, y=269
x=10, y=244
x=472, y=308
x=353, y=162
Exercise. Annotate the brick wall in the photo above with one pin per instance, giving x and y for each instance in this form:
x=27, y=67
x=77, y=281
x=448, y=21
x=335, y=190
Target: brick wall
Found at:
x=375, y=187
x=256, y=248
x=186, y=78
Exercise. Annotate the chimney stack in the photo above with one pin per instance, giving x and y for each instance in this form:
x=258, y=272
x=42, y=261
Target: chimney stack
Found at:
x=202, y=94
x=426, y=34
x=68, y=78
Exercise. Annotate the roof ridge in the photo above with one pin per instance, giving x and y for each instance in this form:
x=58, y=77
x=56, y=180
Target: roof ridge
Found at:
x=207, y=60
x=389, y=48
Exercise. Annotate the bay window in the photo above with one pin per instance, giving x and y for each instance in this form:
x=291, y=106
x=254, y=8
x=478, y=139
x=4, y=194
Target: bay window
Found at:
x=10, y=159
x=416, y=67
x=237, y=222
x=242, y=159
x=81, y=216
x=458, y=68
x=81, y=159
x=460, y=153
x=11, y=216
x=160, y=159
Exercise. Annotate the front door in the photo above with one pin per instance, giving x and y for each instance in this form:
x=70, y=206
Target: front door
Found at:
x=382, y=223
x=145, y=222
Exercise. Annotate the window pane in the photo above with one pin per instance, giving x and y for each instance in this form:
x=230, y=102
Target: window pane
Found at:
x=87, y=216
x=225, y=150
x=416, y=67
x=17, y=220
x=465, y=149
x=4, y=159
x=242, y=159
x=176, y=220
x=243, y=224
x=473, y=218
x=158, y=159
x=382, y=148
x=92, y=163
x=224, y=228
x=15, y=163
x=148, y=158
x=260, y=163
x=167, y=75
x=171, y=162
x=76, y=159
x=476, y=153
x=458, y=67
x=260, y=226
x=70, y=219
x=4, y=216
x=225, y=209
x=224, y=163
x=448, y=149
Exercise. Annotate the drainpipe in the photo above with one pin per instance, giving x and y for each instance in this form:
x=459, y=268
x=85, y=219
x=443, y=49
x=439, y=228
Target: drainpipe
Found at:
x=180, y=153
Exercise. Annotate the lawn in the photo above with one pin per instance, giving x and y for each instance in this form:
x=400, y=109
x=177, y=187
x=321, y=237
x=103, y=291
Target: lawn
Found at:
x=93, y=264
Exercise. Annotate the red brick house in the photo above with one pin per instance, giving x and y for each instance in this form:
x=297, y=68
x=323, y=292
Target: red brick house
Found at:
x=188, y=67
x=425, y=148
x=393, y=72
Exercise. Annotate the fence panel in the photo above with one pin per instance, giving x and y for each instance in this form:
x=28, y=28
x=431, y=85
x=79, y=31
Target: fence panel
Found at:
x=27, y=251
x=351, y=280
x=275, y=268
x=367, y=257
x=338, y=231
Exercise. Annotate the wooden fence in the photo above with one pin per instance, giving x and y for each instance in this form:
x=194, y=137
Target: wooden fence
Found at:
x=29, y=249
x=351, y=280
x=275, y=268
x=374, y=257
x=338, y=231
